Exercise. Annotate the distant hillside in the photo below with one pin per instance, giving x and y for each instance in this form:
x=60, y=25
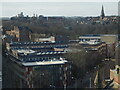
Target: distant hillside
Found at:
x=5, y=18
x=66, y=27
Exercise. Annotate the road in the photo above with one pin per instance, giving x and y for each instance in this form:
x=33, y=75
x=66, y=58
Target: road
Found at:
x=0, y=71
x=0, y=59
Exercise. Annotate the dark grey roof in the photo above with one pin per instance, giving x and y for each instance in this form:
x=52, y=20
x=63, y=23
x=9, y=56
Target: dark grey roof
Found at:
x=24, y=28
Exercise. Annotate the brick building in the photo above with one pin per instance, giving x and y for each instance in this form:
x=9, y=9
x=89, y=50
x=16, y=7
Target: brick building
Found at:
x=36, y=65
x=19, y=34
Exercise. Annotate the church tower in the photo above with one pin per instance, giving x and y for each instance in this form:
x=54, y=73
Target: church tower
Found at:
x=102, y=13
x=102, y=16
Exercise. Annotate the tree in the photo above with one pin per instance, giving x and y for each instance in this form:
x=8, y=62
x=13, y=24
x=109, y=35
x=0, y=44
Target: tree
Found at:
x=82, y=60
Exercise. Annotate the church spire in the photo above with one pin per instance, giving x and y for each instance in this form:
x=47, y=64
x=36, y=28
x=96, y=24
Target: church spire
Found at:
x=102, y=12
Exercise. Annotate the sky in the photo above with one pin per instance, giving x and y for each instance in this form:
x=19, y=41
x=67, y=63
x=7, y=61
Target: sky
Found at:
x=59, y=0
x=59, y=8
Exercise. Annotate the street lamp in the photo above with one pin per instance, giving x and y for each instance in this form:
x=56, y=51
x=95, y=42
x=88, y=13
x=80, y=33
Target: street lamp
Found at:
x=42, y=74
x=52, y=86
x=75, y=82
x=90, y=81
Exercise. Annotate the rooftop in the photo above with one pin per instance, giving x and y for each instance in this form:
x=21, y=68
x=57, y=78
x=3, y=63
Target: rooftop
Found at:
x=28, y=51
x=91, y=42
x=52, y=62
x=97, y=35
x=32, y=52
x=31, y=43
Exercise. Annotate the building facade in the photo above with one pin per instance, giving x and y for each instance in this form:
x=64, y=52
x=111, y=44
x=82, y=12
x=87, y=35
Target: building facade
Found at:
x=19, y=34
x=33, y=67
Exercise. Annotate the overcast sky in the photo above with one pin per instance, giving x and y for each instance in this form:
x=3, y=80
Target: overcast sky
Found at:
x=59, y=8
x=60, y=0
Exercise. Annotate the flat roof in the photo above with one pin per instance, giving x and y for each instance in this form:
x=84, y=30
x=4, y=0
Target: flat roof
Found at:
x=32, y=42
x=89, y=37
x=28, y=51
x=44, y=63
x=32, y=52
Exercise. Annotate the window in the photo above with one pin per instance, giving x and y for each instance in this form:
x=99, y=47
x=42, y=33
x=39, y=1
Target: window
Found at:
x=117, y=70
